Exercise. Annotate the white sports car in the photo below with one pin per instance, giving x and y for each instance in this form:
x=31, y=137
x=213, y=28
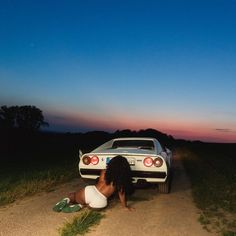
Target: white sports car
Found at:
x=148, y=160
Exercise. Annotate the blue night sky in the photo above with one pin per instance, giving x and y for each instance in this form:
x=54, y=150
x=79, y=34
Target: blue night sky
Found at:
x=108, y=65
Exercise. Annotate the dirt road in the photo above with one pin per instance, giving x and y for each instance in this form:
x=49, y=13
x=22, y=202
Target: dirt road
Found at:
x=155, y=214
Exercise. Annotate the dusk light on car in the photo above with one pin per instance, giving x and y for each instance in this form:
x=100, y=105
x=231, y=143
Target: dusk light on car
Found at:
x=113, y=65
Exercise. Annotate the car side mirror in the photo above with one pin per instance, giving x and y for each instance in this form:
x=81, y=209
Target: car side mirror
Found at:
x=167, y=150
x=164, y=153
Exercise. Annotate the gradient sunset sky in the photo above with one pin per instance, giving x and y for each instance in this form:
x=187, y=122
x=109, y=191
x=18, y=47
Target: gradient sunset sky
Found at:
x=109, y=65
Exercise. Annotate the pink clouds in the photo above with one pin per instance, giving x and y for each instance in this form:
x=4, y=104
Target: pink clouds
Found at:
x=186, y=129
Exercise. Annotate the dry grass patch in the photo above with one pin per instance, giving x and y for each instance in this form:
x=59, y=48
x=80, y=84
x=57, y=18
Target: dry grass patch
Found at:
x=82, y=223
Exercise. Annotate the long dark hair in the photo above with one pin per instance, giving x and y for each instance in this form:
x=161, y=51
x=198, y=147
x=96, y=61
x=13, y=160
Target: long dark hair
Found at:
x=119, y=174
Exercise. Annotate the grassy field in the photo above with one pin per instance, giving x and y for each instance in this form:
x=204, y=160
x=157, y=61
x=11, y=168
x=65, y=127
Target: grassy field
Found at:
x=212, y=171
x=35, y=162
x=20, y=178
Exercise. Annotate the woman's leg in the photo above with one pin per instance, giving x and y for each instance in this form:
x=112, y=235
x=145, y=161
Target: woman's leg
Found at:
x=77, y=197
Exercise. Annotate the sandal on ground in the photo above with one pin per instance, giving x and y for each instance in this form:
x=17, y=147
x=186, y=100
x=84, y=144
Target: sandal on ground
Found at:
x=60, y=205
x=71, y=208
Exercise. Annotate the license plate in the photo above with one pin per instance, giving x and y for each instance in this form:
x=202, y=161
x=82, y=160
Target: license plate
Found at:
x=108, y=160
x=131, y=162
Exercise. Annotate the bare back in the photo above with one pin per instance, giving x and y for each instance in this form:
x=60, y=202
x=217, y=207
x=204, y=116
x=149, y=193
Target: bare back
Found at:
x=106, y=190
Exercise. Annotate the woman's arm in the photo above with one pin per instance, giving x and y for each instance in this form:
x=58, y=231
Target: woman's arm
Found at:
x=123, y=200
x=102, y=176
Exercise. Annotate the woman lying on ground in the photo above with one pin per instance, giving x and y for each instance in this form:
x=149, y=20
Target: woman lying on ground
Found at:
x=116, y=178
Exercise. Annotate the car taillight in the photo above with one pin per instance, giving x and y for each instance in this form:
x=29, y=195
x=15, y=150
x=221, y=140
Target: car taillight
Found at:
x=86, y=160
x=94, y=160
x=148, y=161
x=158, y=162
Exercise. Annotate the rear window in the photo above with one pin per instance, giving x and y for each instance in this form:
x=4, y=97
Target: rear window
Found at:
x=141, y=144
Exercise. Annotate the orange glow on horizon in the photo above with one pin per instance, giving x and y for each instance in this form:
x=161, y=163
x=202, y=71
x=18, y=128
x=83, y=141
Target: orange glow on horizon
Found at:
x=185, y=129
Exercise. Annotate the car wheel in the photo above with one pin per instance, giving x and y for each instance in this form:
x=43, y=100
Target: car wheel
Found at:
x=164, y=187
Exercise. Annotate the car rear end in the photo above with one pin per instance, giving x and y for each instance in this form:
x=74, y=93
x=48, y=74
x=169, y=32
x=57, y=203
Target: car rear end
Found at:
x=145, y=167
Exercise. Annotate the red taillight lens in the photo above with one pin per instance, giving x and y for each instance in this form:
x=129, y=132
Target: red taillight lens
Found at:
x=94, y=160
x=158, y=162
x=86, y=160
x=148, y=161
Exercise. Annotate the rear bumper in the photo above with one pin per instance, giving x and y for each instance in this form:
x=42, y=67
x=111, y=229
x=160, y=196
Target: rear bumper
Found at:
x=135, y=174
x=95, y=172
x=149, y=174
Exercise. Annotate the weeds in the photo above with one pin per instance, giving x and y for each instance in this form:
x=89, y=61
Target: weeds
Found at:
x=211, y=169
x=81, y=224
x=229, y=233
x=204, y=220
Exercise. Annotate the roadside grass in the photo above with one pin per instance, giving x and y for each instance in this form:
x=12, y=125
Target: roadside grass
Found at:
x=82, y=223
x=211, y=168
x=20, y=179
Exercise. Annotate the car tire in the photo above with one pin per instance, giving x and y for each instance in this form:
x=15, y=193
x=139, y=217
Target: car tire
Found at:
x=164, y=187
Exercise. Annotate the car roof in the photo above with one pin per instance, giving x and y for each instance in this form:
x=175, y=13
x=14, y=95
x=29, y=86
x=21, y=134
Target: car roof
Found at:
x=109, y=144
x=135, y=138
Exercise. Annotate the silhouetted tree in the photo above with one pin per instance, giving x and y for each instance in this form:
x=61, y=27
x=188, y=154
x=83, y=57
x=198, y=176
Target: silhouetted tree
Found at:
x=23, y=117
x=125, y=133
x=30, y=118
x=8, y=116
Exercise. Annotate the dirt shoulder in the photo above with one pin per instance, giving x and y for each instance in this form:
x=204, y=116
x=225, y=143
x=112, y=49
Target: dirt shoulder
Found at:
x=155, y=214
x=34, y=215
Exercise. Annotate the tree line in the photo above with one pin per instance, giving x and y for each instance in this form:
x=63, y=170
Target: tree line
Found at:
x=28, y=118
